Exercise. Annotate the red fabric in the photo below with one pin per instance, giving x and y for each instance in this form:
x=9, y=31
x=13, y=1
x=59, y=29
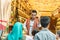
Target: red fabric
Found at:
x=3, y=21
x=28, y=25
x=34, y=26
x=2, y=27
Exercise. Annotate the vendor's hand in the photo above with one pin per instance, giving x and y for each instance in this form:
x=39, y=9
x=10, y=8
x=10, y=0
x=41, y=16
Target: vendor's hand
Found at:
x=25, y=31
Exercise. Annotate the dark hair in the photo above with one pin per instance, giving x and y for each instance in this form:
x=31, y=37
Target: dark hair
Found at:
x=33, y=11
x=45, y=20
x=34, y=32
x=58, y=32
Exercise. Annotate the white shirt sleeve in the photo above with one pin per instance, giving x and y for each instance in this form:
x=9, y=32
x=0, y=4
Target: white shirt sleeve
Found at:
x=39, y=25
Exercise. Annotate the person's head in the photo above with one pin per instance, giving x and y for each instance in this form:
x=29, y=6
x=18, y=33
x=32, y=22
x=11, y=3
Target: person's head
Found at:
x=45, y=20
x=58, y=33
x=33, y=13
x=34, y=32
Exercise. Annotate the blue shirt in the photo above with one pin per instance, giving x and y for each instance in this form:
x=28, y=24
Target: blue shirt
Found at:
x=45, y=34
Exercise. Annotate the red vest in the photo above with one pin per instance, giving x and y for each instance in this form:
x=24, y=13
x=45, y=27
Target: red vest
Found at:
x=36, y=20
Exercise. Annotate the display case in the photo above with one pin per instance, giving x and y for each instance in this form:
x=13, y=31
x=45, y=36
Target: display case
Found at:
x=21, y=9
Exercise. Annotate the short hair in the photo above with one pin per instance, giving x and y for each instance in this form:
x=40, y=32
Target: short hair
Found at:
x=58, y=32
x=34, y=32
x=33, y=11
x=45, y=20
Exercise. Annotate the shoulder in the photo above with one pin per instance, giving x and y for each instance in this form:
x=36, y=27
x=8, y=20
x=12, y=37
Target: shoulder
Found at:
x=18, y=23
x=39, y=33
x=52, y=34
x=27, y=20
x=37, y=36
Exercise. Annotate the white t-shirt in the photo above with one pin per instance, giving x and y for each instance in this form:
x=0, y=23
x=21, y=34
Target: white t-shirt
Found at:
x=31, y=27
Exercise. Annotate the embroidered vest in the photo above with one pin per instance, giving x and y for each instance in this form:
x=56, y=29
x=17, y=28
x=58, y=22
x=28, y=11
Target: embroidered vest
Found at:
x=34, y=25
